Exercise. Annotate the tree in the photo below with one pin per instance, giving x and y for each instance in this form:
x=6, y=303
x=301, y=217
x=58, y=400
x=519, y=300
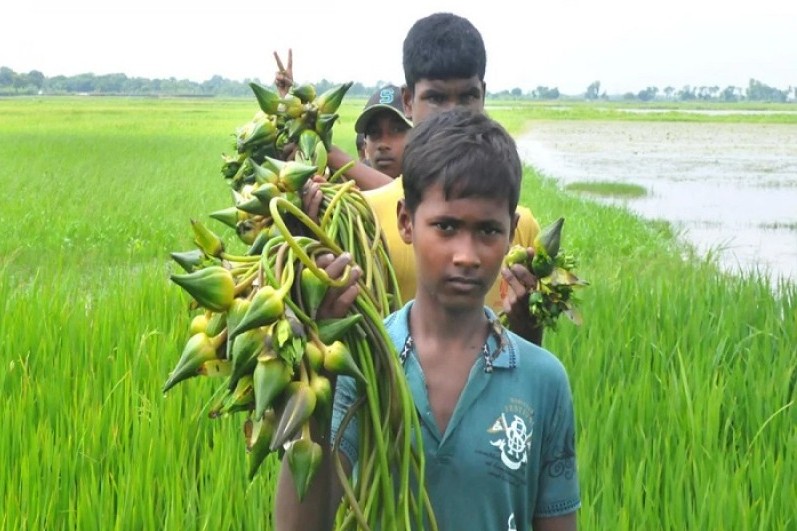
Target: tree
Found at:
x=686, y=93
x=593, y=90
x=20, y=82
x=6, y=76
x=758, y=91
x=668, y=91
x=516, y=92
x=648, y=94
x=36, y=79
x=545, y=93
x=729, y=93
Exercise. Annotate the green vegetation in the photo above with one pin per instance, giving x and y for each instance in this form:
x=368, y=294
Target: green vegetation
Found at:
x=684, y=377
x=608, y=189
x=515, y=112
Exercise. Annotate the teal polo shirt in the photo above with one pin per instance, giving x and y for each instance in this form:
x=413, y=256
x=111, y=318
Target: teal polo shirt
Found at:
x=508, y=452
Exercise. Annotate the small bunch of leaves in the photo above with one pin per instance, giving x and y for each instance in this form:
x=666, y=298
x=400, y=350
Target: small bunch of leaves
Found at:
x=555, y=292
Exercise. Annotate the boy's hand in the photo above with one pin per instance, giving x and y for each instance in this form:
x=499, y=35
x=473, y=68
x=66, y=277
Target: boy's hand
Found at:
x=520, y=283
x=312, y=196
x=283, y=80
x=338, y=301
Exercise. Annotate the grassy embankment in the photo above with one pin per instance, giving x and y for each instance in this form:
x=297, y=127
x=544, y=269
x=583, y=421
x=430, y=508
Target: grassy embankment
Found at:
x=683, y=377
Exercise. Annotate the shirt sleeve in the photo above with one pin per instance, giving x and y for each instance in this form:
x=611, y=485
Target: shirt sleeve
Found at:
x=527, y=227
x=345, y=396
x=558, y=491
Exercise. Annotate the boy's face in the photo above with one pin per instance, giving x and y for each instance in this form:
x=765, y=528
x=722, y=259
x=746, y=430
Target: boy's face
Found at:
x=459, y=246
x=433, y=96
x=384, y=142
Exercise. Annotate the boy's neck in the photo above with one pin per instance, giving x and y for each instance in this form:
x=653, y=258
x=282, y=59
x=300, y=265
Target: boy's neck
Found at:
x=432, y=321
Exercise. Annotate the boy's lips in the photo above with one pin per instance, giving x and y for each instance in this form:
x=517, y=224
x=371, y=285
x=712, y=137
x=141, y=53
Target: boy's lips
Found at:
x=384, y=161
x=464, y=283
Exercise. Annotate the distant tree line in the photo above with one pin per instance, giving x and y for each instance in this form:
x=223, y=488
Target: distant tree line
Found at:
x=755, y=91
x=35, y=82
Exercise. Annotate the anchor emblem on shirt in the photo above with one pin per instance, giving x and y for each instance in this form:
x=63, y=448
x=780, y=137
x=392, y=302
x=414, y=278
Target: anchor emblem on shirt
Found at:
x=516, y=442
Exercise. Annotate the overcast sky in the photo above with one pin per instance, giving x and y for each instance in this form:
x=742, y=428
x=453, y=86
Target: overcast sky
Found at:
x=627, y=45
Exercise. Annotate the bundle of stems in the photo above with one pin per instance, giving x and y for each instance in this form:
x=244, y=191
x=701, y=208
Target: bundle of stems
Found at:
x=257, y=324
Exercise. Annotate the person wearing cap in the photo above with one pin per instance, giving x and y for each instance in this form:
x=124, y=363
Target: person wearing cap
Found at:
x=384, y=128
x=359, y=141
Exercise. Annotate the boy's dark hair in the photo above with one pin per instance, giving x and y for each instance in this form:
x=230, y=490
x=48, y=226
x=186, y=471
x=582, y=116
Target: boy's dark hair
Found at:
x=467, y=153
x=443, y=46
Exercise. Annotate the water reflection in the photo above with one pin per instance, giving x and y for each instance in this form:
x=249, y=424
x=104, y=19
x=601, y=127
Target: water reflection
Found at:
x=731, y=188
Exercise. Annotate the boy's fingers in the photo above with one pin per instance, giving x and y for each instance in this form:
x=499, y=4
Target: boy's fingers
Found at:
x=312, y=198
x=290, y=61
x=526, y=279
x=338, y=301
x=324, y=260
x=314, y=204
x=337, y=266
x=280, y=66
x=342, y=303
x=515, y=285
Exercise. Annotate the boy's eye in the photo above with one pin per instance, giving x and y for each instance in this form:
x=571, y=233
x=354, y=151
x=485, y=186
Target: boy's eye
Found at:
x=444, y=226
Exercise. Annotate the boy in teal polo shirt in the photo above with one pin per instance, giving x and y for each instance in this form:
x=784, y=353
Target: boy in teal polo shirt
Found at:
x=496, y=410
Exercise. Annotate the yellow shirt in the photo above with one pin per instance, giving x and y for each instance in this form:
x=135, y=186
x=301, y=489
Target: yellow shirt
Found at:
x=383, y=201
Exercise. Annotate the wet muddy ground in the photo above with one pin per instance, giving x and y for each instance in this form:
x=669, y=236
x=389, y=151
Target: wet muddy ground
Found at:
x=731, y=188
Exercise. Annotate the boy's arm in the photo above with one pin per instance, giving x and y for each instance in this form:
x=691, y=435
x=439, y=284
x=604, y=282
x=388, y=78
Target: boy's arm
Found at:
x=521, y=283
x=365, y=176
x=567, y=522
x=317, y=509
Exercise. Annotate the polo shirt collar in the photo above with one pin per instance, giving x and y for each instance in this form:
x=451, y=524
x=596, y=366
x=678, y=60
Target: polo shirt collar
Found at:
x=398, y=329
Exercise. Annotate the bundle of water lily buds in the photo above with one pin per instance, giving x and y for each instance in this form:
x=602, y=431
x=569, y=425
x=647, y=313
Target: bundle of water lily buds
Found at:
x=553, y=267
x=255, y=323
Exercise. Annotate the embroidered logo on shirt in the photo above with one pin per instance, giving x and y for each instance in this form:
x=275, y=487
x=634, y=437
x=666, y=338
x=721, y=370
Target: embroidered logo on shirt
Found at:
x=515, y=441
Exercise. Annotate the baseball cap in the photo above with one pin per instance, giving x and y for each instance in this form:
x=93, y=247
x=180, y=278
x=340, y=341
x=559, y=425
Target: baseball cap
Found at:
x=387, y=97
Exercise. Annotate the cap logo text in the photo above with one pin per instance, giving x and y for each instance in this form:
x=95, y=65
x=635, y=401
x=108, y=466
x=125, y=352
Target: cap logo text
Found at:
x=386, y=96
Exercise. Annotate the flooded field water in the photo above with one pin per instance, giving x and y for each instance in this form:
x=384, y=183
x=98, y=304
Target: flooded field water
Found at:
x=730, y=188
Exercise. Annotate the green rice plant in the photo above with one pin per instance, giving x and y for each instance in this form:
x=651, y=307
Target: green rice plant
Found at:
x=684, y=377
x=608, y=189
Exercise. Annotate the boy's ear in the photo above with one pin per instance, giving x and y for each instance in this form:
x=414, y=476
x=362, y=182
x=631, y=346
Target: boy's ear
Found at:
x=512, y=228
x=404, y=220
x=406, y=100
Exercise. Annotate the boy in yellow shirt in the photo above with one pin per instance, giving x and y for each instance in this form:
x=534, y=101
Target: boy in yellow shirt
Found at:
x=444, y=65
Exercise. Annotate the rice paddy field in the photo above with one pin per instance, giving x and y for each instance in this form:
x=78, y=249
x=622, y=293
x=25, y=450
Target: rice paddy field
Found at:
x=683, y=376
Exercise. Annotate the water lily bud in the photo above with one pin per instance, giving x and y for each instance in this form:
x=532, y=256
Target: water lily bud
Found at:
x=298, y=408
x=329, y=101
x=199, y=349
x=331, y=330
x=313, y=290
x=212, y=287
x=206, y=240
x=338, y=360
x=266, y=307
x=304, y=457
x=270, y=377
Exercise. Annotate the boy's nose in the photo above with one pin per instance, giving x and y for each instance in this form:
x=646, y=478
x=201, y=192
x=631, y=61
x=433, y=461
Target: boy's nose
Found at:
x=465, y=253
